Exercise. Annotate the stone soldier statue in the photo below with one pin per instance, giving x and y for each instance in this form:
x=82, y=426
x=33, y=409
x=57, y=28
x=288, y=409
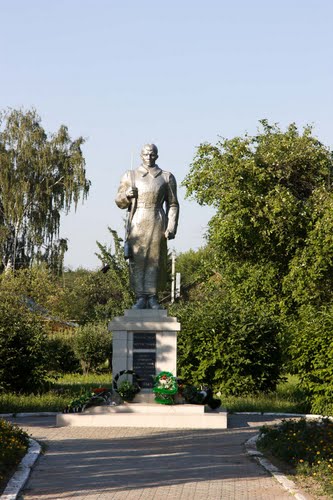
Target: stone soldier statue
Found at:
x=150, y=195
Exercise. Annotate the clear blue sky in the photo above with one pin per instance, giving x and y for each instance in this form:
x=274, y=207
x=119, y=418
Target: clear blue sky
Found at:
x=176, y=73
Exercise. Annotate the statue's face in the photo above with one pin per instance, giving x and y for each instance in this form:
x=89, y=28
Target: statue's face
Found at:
x=149, y=156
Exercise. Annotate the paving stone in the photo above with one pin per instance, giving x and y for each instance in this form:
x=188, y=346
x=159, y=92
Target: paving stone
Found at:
x=147, y=464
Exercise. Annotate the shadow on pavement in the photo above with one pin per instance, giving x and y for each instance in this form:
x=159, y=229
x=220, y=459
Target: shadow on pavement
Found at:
x=139, y=462
x=127, y=459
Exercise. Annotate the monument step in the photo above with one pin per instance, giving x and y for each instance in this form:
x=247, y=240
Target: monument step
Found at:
x=164, y=420
x=150, y=408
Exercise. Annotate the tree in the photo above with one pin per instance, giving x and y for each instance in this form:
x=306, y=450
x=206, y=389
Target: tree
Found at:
x=265, y=191
x=272, y=240
x=195, y=266
x=90, y=296
x=40, y=176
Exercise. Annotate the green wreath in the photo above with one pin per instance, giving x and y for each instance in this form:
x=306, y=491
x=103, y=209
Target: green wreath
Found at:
x=165, y=386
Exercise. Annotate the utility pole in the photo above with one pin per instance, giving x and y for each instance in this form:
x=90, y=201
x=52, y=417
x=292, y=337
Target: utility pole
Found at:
x=177, y=289
x=173, y=276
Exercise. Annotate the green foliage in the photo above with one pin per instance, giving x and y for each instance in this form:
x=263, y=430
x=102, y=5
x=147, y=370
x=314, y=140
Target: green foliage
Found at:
x=90, y=296
x=312, y=354
x=23, y=347
x=36, y=287
x=262, y=188
x=112, y=257
x=127, y=390
x=310, y=275
x=272, y=239
x=39, y=177
x=195, y=267
x=95, y=397
x=14, y=443
x=306, y=445
x=60, y=348
x=59, y=395
x=299, y=440
x=79, y=402
x=227, y=343
x=93, y=345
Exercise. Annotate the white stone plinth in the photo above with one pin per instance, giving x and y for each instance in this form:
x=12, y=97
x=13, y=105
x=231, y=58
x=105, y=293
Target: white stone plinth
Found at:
x=145, y=321
x=147, y=415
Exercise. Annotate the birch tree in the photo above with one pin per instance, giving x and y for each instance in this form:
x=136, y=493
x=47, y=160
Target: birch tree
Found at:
x=41, y=176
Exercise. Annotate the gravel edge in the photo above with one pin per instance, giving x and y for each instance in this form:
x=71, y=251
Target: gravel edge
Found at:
x=20, y=477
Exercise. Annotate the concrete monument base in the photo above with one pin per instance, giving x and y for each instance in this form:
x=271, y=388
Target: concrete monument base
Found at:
x=147, y=415
x=145, y=341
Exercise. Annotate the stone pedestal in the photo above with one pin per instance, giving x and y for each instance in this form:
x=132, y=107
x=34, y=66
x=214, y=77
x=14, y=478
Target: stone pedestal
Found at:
x=144, y=341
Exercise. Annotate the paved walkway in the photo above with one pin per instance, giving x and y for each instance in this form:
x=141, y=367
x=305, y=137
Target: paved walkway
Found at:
x=92, y=463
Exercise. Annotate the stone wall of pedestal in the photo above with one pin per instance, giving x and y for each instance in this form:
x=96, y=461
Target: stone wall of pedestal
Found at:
x=144, y=340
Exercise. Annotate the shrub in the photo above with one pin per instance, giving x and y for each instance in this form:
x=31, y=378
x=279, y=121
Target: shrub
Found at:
x=14, y=443
x=93, y=345
x=228, y=344
x=312, y=355
x=62, y=357
x=23, y=348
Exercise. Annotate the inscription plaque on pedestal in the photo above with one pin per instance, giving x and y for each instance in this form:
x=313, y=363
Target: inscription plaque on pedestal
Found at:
x=144, y=340
x=144, y=366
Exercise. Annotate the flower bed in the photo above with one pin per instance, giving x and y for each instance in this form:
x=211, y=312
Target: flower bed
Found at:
x=307, y=445
x=14, y=443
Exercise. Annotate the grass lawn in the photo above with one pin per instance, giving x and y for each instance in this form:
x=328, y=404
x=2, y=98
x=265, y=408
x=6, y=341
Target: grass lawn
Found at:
x=287, y=399
x=63, y=391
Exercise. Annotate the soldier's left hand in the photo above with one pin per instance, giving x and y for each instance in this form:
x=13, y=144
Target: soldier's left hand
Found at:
x=169, y=235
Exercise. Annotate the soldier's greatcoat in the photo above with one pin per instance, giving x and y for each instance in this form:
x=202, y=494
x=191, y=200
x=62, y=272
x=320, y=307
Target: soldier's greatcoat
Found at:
x=157, y=210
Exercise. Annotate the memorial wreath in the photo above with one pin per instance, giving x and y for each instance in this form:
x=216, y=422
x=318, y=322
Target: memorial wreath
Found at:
x=165, y=387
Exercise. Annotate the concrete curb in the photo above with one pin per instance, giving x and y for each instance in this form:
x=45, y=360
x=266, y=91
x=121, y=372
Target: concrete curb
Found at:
x=288, y=485
x=275, y=414
x=20, y=477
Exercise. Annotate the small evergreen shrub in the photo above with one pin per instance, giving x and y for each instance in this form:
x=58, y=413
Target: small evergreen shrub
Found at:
x=93, y=345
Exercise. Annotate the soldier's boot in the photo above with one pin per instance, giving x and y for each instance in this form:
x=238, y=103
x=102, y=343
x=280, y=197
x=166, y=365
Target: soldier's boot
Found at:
x=153, y=302
x=141, y=303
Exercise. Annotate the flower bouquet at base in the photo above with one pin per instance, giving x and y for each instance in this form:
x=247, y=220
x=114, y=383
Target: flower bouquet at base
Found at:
x=165, y=387
x=97, y=396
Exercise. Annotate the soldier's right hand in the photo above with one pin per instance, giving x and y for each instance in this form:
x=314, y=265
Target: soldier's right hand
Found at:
x=132, y=192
